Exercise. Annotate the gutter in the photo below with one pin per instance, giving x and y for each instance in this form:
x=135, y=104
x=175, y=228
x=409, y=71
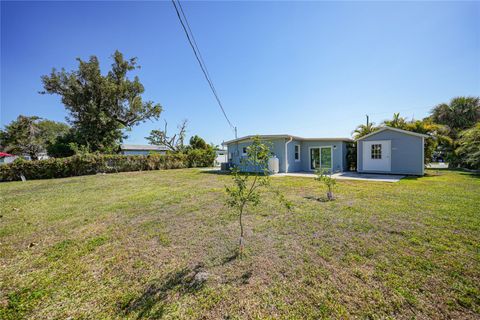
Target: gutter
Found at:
x=286, y=154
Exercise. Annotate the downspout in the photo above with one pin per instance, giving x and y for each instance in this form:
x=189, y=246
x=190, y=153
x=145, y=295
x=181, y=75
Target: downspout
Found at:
x=423, y=156
x=286, y=153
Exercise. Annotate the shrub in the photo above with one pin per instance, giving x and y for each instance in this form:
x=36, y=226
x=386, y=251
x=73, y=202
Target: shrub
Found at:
x=79, y=165
x=352, y=156
x=200, y=157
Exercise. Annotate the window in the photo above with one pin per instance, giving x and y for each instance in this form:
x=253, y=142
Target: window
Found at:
x=244, y=151
x=376, y=152
x=297, y=152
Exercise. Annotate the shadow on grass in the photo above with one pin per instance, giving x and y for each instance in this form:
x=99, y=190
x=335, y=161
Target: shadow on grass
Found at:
x=229, y=173
x=230, y=258
x=434, y=172
x=471, y=174
x=217, y=172
x=468, y=171
x=321, y=199
x=414, y=178
x=151, y=304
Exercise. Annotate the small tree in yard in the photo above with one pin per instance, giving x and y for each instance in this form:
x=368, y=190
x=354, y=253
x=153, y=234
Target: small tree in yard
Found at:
x=246, y=185
x=325, y=177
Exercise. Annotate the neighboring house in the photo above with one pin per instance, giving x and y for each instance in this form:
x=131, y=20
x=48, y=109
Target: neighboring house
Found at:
x=6, y=158
x=40, y=156
x=391, y=150
x=9, y=158
x=221, y=157
x=296, y=154
x=133, y=149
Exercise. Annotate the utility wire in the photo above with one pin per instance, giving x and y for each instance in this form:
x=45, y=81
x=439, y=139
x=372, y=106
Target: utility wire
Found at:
x=193, y=38
x=198, y=56
x=198, y=50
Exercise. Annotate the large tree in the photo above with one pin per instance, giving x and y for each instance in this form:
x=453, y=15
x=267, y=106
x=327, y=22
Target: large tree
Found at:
x=50, y=130
x=363, y=130
x=468, y=149
x=434, y=130
x=101, y=106
x=396, y=122
x=197, y=142
x=460, y=114
x=30, y=135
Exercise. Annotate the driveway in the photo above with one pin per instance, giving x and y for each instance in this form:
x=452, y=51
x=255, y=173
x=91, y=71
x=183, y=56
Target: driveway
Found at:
x=348, y=176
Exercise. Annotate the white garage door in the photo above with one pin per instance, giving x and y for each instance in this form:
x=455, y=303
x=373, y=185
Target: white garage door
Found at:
x=377, y=155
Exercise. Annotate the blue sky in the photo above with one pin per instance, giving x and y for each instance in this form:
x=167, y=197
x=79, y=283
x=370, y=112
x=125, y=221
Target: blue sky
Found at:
x=311, y=69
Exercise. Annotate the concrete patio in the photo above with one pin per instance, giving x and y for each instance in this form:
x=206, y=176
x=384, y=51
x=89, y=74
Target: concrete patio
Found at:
x=347, y=176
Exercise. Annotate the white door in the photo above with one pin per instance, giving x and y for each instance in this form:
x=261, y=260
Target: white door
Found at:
x=377, y=155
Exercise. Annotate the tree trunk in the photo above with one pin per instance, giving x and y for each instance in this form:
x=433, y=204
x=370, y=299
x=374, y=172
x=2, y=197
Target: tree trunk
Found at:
x=241, y=243
x=330, y=195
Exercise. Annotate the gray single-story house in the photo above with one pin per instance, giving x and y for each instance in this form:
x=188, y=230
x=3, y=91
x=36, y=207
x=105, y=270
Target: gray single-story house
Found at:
x=135, y=149
x=391, y=150
x=296, y=154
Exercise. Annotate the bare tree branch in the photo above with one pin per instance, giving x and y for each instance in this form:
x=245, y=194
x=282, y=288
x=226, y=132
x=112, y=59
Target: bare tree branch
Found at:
x=174, y=143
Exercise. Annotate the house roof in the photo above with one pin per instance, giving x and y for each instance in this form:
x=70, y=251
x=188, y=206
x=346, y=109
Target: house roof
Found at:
x=280, y=136
x=139, y=147
x=394, y=129
x=3, y=154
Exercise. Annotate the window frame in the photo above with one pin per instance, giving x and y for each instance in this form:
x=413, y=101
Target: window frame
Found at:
x=376, y=151
x=295, y=153
x=320, y=157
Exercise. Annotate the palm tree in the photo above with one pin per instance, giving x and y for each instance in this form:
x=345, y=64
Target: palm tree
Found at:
x=363, y=130
x=469, y=147
x=460, y=114
x=396, y=122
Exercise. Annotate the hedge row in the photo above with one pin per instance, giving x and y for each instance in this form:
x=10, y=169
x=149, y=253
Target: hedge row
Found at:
x=93, y=164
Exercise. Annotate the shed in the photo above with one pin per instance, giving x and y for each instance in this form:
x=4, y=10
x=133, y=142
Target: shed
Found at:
x=391, y=150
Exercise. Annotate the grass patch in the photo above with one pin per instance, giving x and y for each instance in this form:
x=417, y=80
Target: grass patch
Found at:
x=134, y=246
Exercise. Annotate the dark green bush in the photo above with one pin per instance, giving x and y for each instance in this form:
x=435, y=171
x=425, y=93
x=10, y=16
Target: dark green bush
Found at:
x=200, y=157
x=352, y=156
x=79, y=165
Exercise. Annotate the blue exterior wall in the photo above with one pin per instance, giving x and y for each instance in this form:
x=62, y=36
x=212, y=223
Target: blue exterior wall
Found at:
x=339, y=161
x=338, y=157
x=294, y=166
x=406, y=154
x=277, y=147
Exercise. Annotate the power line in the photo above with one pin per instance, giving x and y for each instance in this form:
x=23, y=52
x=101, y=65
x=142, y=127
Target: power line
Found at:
x=198, y=56
x=193, y=38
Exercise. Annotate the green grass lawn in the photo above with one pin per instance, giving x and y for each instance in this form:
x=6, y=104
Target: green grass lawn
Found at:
x=130, y=245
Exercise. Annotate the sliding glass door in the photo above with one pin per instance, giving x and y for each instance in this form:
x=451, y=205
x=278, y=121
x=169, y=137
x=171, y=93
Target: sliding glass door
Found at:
x=321, y=158
x=314, y=158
